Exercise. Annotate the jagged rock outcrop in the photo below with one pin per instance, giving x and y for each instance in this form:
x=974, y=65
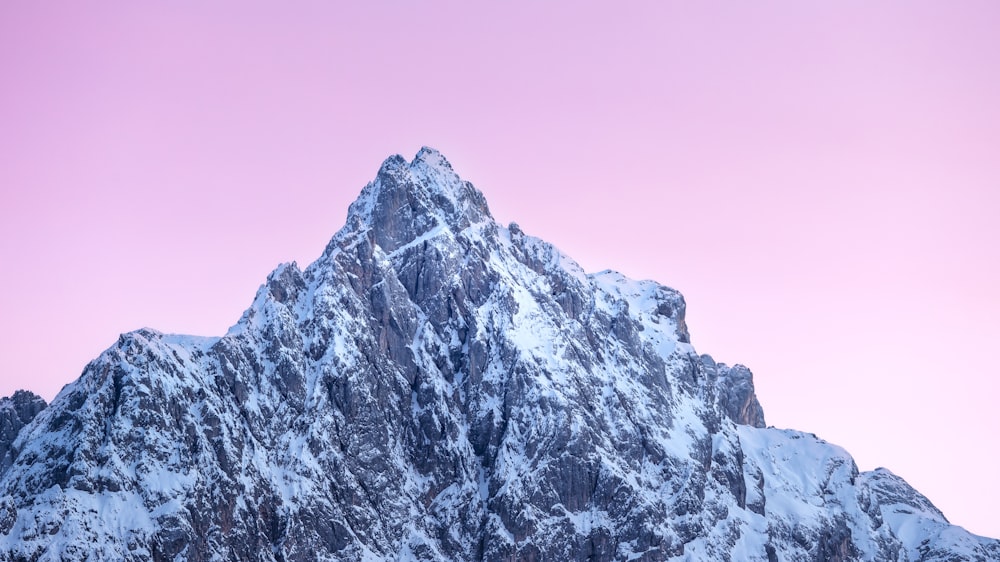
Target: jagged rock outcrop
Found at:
x=734, y=391
x=16, y=412
x=437, y=386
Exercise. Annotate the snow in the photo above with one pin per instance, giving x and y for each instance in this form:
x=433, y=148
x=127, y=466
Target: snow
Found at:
x=440, y=229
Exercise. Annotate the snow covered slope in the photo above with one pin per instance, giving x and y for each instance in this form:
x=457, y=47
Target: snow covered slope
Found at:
x=437, y=386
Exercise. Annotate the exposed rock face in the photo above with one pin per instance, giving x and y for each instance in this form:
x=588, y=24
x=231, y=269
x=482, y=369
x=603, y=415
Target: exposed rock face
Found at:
x=16, y=412
x=439, y=387
x=734, y=392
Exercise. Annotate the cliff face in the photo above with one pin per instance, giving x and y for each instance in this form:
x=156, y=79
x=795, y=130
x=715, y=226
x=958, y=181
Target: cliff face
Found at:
x=16, y=412
x=437, y=386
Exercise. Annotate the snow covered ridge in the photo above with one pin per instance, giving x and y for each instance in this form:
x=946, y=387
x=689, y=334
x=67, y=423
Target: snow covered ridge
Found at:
x=437, y=386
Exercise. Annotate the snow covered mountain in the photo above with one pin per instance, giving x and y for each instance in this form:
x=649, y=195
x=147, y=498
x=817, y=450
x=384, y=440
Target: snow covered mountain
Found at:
x=437, y=386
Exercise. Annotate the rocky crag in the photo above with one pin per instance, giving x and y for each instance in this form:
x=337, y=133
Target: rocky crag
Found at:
x=437, y=386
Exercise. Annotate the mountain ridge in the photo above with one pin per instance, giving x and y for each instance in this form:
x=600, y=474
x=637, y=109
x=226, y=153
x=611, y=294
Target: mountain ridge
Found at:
x=439, y=386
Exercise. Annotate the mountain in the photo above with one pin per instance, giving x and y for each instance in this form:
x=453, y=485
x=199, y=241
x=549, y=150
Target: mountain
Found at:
x=437, y=386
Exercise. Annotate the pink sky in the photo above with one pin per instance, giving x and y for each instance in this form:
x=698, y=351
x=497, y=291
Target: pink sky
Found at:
x=821, y=180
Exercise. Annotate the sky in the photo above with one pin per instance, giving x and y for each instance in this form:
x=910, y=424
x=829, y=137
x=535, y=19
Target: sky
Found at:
x=820, y=180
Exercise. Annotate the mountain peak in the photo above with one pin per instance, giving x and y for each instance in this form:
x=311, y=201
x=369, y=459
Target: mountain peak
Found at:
x=426, y=157
x=439, y=387
x=409, y=199
x=431, y=157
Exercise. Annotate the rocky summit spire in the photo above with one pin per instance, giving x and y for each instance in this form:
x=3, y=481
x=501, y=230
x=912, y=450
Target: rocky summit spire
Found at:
x=409, y=199
x=439, y=387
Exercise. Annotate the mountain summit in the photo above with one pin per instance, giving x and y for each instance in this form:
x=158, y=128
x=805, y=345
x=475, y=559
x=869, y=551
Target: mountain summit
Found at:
x=437, y=386
x=409, y=200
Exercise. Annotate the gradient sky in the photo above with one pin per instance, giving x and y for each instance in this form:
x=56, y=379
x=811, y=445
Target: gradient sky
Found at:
x=820, y=179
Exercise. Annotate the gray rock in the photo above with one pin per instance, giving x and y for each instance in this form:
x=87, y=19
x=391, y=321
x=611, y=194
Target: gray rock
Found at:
x=16, y=412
